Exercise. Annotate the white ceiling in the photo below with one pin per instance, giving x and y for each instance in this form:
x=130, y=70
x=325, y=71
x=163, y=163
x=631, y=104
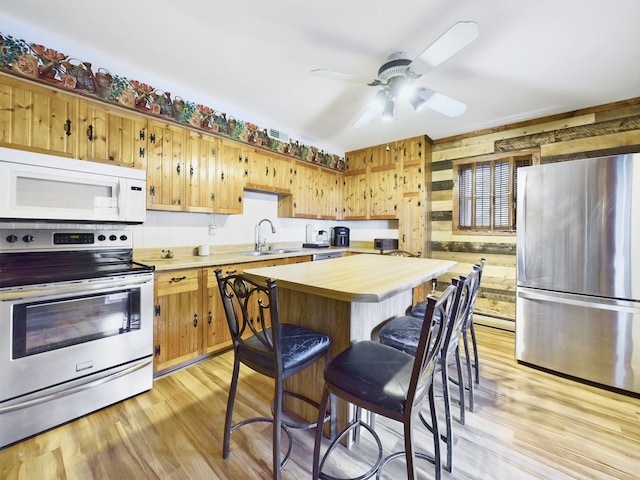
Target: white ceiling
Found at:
x=252, y=58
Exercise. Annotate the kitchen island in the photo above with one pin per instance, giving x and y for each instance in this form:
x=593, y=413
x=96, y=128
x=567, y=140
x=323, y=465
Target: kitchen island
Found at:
x=347, y=298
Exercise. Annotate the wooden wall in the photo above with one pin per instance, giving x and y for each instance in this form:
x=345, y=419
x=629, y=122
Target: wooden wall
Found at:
x=602, y=130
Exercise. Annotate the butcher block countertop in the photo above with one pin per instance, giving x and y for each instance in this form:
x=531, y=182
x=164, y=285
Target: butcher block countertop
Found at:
x=355, y=278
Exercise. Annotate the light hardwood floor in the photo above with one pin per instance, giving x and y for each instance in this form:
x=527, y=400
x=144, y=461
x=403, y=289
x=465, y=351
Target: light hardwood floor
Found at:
x=527, y=424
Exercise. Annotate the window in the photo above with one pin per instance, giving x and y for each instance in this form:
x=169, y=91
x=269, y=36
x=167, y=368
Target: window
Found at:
x=486, y=192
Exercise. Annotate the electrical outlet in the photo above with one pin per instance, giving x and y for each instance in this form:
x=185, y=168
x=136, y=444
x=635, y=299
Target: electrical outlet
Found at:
x=212, y=229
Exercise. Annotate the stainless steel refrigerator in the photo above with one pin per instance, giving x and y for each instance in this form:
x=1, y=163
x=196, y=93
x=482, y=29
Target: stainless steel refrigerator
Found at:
x=578, y=269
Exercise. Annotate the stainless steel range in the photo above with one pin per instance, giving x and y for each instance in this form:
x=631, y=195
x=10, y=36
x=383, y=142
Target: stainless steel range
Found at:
x=76, y=326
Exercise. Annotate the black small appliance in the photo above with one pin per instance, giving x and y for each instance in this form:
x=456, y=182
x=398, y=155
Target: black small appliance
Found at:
x=340, y=237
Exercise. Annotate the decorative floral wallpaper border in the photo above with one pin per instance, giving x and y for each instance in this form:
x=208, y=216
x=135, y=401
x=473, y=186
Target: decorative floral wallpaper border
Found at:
x=46, y=65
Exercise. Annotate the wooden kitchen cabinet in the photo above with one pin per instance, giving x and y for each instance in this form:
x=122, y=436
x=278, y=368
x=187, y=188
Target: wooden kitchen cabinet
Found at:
x=413, y=209
x=201, y=188
x=372, y=189
x=166, y=169
x=315, y=193
x=330, y=186
x=383, y=192
x=111, y=135
x=266, y=172
x=178, y=318
x=356, y=197
x=37, y=118
x=230, y=178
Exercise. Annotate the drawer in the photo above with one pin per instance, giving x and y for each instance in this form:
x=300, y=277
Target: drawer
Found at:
x=177, y=281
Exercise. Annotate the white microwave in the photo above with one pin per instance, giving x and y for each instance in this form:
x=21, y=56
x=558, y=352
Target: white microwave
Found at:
x=35, y=186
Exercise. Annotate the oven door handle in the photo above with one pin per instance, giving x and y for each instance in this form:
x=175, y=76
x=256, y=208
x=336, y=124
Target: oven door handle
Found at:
x=76, y=389
x=87, y=286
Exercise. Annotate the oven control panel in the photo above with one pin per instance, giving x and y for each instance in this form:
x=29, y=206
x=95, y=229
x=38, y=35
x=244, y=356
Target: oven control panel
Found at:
x=42, y=239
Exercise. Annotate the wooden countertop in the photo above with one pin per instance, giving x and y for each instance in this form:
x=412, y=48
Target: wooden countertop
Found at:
x=356, y=278
x=186, y=257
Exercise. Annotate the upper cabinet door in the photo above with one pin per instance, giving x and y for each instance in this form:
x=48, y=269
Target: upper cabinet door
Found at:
x=37, y=118
x=166, y=166
x=107, y=134
x=201, y=181
x=230, y=170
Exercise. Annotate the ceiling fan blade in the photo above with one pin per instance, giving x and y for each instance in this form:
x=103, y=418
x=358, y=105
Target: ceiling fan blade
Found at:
x=344, y=77
x=449, y=43
x=441, y=103
x=376, y=106
x=366, y=117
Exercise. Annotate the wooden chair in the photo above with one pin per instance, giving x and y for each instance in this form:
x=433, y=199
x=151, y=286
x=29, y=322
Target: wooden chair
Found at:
x=277, y=350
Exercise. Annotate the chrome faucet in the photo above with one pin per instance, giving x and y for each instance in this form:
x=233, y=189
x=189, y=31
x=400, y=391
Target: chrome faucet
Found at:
x=260, y=243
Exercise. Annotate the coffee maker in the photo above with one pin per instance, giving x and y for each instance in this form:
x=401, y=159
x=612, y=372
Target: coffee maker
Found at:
x=340, y=237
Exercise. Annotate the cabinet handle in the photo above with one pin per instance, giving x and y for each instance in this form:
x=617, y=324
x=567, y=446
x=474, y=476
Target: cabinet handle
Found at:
x=90, y=133
x=210, y=317
x=141, y=134
x=274, y=173
x=195, y=319
x=152, y=138
x=221, y=176
x=178, y=169
x=141, y=153
x=178, y=279
x=191, y=170
x=67, y=127
x=266, y=171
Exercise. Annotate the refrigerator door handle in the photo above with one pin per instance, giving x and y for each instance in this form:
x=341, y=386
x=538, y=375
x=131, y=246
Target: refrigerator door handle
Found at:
x=601, y=303
x=522, y=226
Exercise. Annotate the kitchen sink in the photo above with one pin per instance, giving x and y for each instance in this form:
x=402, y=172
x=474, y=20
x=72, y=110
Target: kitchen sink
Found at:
x=256, y=253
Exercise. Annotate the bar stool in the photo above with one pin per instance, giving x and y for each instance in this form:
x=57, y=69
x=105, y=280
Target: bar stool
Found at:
x=391, y=383
x=473, y=368
x=277, y=350
x=400, y=333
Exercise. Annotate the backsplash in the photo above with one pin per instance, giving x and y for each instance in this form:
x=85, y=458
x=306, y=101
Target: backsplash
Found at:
x=171, y=229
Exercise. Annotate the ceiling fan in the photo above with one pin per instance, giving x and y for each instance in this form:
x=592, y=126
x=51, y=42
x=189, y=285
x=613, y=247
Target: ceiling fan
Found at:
x=397, y=75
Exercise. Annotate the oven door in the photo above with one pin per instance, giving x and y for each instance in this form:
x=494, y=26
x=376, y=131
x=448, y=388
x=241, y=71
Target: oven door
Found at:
x=56, y=333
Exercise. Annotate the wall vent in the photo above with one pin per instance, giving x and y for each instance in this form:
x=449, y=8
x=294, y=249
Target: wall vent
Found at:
x=278, y=135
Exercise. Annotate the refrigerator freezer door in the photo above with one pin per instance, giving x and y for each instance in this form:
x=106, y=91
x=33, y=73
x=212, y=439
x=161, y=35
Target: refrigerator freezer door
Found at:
x=594, y=339
x=577, y=231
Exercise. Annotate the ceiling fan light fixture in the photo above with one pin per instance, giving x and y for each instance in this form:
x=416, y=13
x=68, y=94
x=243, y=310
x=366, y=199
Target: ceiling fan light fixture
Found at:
x=379, y=101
